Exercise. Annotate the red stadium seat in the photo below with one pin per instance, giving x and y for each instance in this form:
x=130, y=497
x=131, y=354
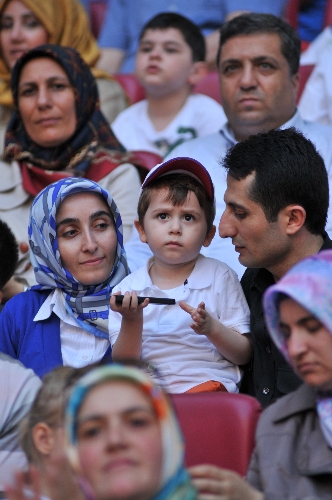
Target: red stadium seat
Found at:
x=209, y=86
x=97, y=10
x=219, y=428
x=291, y=12
x=305, y=72
x=134, y=90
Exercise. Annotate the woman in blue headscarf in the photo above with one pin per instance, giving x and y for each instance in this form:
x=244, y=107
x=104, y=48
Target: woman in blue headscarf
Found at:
x=76, y=250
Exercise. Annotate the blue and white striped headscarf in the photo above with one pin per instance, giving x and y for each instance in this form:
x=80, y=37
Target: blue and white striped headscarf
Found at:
x=86, y=303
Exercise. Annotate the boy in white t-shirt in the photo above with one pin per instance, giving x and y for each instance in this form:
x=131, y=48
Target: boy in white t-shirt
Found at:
x=169, y=62
x=197, y=343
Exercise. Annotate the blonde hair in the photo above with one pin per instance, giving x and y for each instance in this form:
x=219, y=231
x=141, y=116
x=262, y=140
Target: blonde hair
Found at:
x=47, y=407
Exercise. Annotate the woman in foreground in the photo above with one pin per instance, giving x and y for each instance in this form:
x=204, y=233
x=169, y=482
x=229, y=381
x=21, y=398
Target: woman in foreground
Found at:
x=123, y=441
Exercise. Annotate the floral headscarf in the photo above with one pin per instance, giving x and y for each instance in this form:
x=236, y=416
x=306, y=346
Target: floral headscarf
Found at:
x=174, y=481
x=92, y=130
x=310, y=284
x=67, y=24
x=88, y=304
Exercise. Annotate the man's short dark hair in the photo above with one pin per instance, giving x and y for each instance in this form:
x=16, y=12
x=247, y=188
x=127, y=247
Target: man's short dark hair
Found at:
x=251, y=24
x=178, y=186
x=190, y=31
x=288, y=170
x=8, y=253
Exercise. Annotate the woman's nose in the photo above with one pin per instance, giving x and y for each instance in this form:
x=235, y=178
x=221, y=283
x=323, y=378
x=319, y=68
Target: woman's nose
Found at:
x=296, y=344
x=17, y=33
x=89, y=242
x=44, y=98
x=115, y=437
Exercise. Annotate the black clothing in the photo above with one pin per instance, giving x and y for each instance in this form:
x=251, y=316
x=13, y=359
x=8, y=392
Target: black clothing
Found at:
x=268, y=376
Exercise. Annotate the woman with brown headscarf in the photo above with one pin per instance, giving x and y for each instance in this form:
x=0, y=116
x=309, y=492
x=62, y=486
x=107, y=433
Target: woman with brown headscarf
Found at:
x=25, y=24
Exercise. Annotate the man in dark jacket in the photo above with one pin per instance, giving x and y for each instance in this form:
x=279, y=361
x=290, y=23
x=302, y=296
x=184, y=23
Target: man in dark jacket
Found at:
x=276, y=207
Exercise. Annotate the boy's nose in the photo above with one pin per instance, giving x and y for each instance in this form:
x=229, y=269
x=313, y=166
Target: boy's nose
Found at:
x=175, y=225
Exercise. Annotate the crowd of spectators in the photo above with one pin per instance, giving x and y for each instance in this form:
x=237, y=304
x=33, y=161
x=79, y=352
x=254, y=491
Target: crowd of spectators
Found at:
x=171, y=245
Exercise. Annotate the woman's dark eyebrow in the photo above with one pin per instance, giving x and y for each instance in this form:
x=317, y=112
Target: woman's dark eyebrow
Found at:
x=49, y=81
x=100, y=213
x=74, y=220
x=68, y=220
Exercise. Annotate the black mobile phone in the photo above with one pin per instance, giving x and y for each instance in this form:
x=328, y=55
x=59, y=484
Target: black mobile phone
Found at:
x=152, y=300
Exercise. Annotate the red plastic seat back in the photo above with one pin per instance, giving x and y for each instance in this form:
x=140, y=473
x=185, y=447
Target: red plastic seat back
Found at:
x=219, y=428
x=97, y=10
x=209, y=86
x=305, y=72
x=134, y=90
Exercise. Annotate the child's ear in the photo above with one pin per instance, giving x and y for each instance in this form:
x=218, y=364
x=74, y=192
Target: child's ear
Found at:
x=209, y=237
x=198, y=72
x=44, y=438
x=140, y=230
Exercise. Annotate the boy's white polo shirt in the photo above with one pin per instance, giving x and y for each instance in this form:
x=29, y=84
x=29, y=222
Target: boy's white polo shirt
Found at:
x=183, y=358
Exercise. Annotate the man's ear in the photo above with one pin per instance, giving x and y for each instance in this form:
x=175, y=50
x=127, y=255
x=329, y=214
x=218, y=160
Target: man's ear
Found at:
x=296, y=82
x=140, y=230
x=295, y=216
x=43, y=438
x=209, y=237
x=198, y=72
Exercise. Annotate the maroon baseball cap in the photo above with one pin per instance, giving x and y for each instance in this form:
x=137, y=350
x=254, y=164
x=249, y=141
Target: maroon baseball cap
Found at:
x=182, y=165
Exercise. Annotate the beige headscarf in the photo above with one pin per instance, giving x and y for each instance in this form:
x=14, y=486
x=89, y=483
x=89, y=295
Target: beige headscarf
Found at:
x=68, y=25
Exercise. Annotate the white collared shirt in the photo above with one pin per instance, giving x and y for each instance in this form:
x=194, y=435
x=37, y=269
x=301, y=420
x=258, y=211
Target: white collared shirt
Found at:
x=183, y=358
x=78, y=346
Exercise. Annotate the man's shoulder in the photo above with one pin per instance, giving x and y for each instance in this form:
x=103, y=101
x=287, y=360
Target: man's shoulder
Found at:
x=248, y=278
x=318, y=133
x=200, y=147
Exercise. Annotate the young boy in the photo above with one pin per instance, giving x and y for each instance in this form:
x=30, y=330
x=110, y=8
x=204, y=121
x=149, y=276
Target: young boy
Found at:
x=176, y=212
x=169, y=62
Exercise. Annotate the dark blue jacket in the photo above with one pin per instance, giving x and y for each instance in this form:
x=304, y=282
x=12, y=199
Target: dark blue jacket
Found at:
x=35, y=343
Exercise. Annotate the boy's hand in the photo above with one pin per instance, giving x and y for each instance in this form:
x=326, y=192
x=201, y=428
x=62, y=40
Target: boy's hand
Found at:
x=202, y=319
x=130, y=308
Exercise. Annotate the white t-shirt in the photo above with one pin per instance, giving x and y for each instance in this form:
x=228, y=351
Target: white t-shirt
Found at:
x=183, y=358
x=200, y=115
